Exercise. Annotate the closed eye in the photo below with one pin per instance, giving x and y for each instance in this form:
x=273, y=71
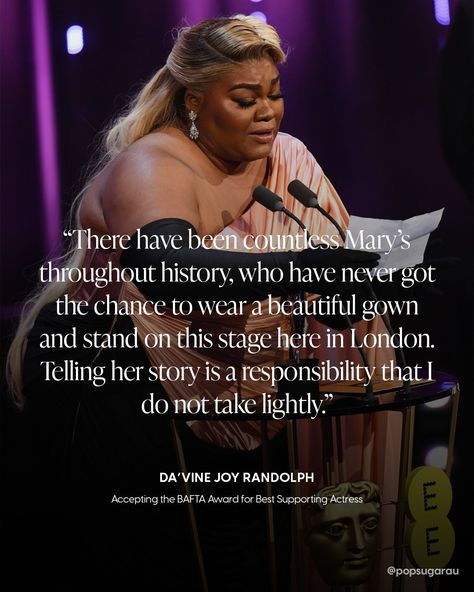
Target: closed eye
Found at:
x=245, y=103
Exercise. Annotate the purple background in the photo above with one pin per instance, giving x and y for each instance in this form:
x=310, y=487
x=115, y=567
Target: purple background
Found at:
x=362, y=91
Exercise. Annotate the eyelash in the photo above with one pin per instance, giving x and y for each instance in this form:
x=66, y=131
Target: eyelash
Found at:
x=245, y=104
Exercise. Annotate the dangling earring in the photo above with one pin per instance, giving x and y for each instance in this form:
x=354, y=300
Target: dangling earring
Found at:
x=193, y=130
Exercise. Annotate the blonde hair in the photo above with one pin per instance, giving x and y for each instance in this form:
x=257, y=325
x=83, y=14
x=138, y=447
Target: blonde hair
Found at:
x=200, y=55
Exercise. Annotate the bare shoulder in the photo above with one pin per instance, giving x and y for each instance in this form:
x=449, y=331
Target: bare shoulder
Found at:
x=148, y=181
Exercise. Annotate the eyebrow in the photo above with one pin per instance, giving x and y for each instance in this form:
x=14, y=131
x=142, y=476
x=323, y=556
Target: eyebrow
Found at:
x=343, y=519
x=253, y=86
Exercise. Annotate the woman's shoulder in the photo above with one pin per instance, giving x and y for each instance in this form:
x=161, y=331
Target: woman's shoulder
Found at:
x=158, y=151
x=142, y=181
x=287, y=142
x=293, y=154
x=154, y=160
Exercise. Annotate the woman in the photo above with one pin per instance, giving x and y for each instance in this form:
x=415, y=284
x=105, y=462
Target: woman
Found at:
x=183, y=161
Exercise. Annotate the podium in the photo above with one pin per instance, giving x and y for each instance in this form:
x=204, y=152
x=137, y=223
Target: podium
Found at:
x=344, y=403
x=394, y=399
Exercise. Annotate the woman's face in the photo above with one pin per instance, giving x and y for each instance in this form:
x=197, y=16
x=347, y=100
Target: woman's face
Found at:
x=240, y=114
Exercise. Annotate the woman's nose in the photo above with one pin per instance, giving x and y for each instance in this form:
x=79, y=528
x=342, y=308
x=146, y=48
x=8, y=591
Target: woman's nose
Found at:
x=265, y=112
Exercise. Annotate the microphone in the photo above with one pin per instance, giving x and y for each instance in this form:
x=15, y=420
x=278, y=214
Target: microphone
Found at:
x=268, y=199
x=274, y=203
x=303, y=194
x=310, y=200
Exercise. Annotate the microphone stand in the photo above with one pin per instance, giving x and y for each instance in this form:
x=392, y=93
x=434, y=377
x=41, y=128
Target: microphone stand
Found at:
x=274, y=203
x=369, y=389
x=294, y=188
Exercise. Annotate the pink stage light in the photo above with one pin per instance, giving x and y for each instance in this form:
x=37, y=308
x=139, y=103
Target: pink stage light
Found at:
x=46, y=124
x=260, y=15
x=441, y=9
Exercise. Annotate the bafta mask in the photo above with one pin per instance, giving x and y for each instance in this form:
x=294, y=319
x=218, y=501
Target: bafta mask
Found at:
x=341, y=532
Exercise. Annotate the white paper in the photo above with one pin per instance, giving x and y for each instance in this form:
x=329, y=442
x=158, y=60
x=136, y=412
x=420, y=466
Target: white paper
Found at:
x=400, y=243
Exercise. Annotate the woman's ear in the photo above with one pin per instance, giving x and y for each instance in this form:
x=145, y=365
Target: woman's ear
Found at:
x=192, y=100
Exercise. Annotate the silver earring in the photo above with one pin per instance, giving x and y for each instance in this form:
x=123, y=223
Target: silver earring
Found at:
x=193, y=130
